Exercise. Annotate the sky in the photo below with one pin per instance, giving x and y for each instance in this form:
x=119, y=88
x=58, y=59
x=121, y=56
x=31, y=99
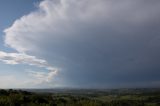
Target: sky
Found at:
x=79, y=43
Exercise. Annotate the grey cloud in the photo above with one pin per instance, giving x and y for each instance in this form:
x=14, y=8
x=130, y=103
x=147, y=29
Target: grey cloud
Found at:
x=104, y=43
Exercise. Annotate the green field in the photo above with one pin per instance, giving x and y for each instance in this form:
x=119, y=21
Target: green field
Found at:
x=81, y=97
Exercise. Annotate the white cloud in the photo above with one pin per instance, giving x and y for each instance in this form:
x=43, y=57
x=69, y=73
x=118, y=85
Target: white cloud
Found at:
x=21, y=58
x=42, y=77
x=51, y=22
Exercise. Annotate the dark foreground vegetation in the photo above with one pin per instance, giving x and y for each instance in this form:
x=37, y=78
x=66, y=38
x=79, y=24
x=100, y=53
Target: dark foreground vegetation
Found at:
x=116, y=97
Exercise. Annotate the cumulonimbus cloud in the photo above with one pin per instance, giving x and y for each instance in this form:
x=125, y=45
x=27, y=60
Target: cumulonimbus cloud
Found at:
x=100, y=35
x=56, y=20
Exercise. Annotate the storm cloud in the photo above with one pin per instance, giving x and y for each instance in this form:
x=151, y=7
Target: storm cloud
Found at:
x=95, y=43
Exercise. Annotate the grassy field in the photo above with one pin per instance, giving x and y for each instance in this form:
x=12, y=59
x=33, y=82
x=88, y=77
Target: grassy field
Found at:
x=81, y=97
